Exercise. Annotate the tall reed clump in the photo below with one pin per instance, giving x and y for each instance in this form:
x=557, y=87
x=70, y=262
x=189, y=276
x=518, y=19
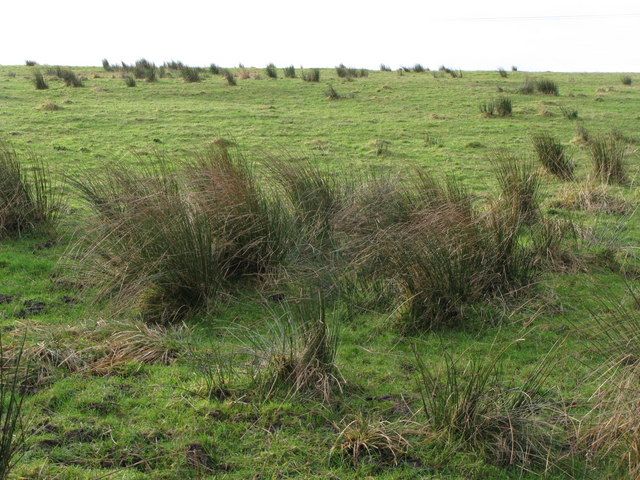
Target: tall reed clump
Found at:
x=608, y=155
x=271, y=71
x=520, y=186
x=289, y=72
x=312, y=75
x=166, y=242
x=130, y=81
x=553, y=156
x=448, y=256
x=39, y=81
x=29, y=198
x=513, y=424
x=13, y=372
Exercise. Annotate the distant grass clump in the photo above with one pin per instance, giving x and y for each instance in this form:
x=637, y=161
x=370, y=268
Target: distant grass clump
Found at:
x=547, y=87
x=501, y=106
x=39, y=81
x=626, y=80
x=214, y=69
x=229, y=77
x=418, y=68
x=503, y=73
x=385, y=68
x=608, y=155
x=165, y=243
x=289, y=72
x=331, y=93
x=130, y=81
x=70, y=79
x=349, y=73
x=106, y=65
x=29, y=199
x=553, y=156
x=569, y=113
x=271, y=71
x=190, y=74
x=312, y=75
x=544, y=87
x=30, y=63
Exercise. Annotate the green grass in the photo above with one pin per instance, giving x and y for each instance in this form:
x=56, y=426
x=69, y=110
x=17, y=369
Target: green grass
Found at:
x=156, y=420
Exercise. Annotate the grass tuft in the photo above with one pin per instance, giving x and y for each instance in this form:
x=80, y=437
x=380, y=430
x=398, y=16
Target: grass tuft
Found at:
x=29, y=199
x=39, y=81
x=608, y=156
x=312, y=75
x=553, y=156
x=271, y=71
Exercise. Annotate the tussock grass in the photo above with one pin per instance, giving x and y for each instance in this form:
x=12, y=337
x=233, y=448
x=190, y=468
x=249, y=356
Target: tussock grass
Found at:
x=364, y=440
x=593, y=197
x=547, y=87
x=190, y=74
x=501, y=106
x=271, y=71
x=312, y=75
x=503, y=73
x=298, y=353
x=165, y=243
x=70, y=79
x=553, y=156
x=608, y=157
x=214, y=69
x=29, y=199
x=13, y=434
x=626, y=80
x=513, y=424
x=544, y=87
x=314, y=196
x=49, y=106
x=289, y=72
x=229, y=77
x=331, y=93
x=448, y=256
x=569, y=113
x=130, y=81
x=39, y=82
x=520, y=186
x=384, y=68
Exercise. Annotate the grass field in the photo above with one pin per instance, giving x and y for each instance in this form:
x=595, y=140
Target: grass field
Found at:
x=110, y=396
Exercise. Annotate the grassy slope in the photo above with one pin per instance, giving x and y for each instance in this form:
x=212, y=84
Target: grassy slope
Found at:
x=93, y=425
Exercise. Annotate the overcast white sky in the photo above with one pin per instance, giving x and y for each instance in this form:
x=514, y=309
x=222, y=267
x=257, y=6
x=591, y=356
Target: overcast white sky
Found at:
x=538, y=35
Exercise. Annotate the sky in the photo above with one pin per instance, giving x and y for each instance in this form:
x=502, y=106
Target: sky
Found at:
x=536, y=35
